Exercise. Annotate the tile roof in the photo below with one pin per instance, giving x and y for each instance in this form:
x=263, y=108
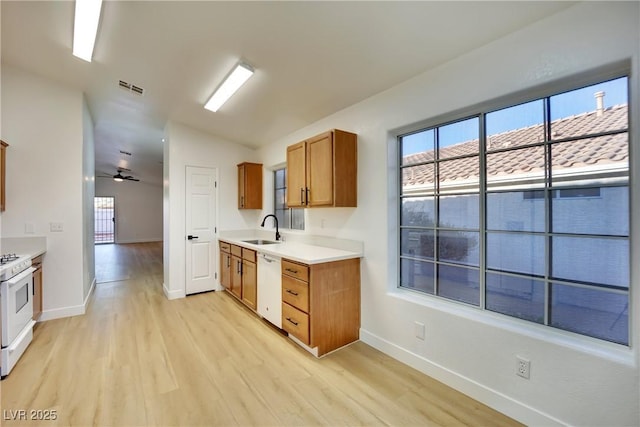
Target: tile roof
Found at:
x=603, y=150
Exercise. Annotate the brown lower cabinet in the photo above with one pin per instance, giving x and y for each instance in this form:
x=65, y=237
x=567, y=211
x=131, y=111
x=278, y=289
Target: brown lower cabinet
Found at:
x=249, y=279
x=225, y=265
x=3, y=163
x=321, y=303
x=238, y=273
x=37, y=287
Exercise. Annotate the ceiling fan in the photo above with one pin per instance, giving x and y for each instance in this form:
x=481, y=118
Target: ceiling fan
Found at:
x=119, y=177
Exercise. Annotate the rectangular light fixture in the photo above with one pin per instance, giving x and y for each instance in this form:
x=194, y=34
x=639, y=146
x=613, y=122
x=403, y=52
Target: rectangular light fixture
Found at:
x=229, y=86
x=85, y=27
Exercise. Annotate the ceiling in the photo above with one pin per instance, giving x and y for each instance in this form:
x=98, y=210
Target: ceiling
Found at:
x=311, y=60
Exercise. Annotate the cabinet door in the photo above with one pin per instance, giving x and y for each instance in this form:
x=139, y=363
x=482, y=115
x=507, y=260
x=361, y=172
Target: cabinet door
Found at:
x=225, y=270
x=250, y=186
x=320, y=170
x=241, y=186
x=249, y=284
x=3, y=164
x=296, y=180
x=236, y=276
x=37, y=293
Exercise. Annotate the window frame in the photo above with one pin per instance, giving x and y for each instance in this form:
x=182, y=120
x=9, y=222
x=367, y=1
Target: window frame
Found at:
x=481, y=110
x=289, y=212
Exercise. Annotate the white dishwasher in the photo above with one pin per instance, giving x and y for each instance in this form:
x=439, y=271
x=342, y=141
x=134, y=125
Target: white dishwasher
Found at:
x=270, y=288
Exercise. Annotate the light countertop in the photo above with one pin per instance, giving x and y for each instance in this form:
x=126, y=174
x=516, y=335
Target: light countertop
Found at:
x=296, y=251
x=29, y=246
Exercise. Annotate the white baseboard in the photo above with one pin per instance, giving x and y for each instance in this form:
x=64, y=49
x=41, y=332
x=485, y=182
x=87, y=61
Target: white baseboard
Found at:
x=492, y=398
x=59, y=313
x=91, y=289
x=124, y=242
x=173, y=294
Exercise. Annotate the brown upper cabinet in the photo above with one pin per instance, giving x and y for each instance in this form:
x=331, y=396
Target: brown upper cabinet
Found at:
x=322, y=171
x=3, y=146
x=250, y=185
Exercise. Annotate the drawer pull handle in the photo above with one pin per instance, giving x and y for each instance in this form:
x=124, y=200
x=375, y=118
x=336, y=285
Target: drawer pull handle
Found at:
x=292, y=321
x=291, y=270
x=289, y=291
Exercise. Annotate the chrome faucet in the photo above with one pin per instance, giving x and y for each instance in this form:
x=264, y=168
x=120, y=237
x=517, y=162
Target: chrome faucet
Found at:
x=276, y=221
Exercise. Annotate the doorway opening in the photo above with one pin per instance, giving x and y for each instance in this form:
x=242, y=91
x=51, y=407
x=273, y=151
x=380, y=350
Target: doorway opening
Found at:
x=104, y=209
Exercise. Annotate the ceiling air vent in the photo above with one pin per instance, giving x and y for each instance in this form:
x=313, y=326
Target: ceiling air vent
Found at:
x=131, y=87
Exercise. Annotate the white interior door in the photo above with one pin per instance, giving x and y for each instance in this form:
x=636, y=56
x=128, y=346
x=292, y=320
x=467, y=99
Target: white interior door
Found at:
x=200, y=233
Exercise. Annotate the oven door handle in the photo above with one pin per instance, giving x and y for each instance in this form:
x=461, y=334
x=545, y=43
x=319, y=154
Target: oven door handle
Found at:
x=21, y=276
x=18, y=340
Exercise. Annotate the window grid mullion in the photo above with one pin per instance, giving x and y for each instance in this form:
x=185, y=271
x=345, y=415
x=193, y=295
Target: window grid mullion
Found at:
x=482, y=200
x=547, y=213
x=436, y=223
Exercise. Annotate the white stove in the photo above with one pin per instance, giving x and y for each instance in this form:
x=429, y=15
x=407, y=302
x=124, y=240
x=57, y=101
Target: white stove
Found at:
x=16, y=309
x=12, y=264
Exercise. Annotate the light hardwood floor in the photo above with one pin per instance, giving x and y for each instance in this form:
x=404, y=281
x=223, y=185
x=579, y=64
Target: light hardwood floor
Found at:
x=138, y=359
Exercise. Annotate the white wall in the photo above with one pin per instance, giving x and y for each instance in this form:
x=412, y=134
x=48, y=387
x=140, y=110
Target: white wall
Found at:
x=43, y=122
x=187, y=147
x=574, y=380
x=138, y=209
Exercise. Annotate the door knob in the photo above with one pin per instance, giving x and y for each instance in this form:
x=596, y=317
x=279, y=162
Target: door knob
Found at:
x=190, y=237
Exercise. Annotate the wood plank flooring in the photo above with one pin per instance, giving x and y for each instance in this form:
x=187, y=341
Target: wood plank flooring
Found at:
x=137, y=359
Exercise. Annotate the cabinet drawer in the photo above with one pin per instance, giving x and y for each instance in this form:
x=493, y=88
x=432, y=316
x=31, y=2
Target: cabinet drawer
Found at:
x=248, y=254
x=236, y=250
x=225, y=247
x=296, y=293
x=295, y=322
x=298, y=271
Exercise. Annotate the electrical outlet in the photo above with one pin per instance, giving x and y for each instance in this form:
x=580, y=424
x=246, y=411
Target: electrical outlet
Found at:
x=523, y=367
x=419, y=330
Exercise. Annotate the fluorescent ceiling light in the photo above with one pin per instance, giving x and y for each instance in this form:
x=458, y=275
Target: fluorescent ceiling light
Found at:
x=85, y=28
x=229, y=86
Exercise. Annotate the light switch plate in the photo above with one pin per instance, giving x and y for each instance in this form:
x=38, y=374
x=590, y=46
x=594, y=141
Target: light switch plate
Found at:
x=56, y=227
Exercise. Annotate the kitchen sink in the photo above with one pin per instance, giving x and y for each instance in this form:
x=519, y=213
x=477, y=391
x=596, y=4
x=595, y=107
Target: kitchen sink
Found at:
x=261, y=242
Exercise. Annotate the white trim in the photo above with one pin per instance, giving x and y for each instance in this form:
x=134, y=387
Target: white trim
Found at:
x=313, y=350
x=59, y=313
x=492, y=398
x=124, y=242
x=175, y=294
x=91, y=289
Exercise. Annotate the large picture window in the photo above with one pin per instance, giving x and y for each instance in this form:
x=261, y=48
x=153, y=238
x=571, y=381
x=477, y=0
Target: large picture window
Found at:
x=524, y=210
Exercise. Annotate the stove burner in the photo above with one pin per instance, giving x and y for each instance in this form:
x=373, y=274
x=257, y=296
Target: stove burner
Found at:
x=5, y=258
